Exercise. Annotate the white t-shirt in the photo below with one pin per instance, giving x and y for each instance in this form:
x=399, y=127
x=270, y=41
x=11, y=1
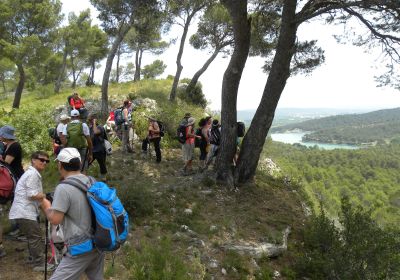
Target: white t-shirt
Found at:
x=30, y=184
x=60, y=128
x=85, y=128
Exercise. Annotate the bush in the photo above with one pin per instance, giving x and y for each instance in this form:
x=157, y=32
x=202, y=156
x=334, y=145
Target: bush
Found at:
x=360, y=250
x=138, y=201
x=159, y=261
x=194, y=95
x=31, y=124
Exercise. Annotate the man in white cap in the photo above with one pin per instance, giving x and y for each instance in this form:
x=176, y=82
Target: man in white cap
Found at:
x=77, y=135
x=71, y=208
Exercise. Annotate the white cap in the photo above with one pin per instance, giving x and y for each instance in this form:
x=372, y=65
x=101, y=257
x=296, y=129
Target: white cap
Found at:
x=67, y=154
x=74, y=113
x=64, y=117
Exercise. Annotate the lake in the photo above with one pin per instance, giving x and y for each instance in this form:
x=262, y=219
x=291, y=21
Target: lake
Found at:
x=295, y=137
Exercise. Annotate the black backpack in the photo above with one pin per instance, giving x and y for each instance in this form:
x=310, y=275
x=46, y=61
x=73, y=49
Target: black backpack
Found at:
x=119, y=116
x=181, y=133
x=197, y=141
x=215, y=137
x=162, y=128
x=53, y=134
x=241, y=129
x=69, y=99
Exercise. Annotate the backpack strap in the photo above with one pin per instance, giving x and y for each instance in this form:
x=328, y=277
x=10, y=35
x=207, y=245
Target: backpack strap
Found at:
x=83, y=187
x=78, y=183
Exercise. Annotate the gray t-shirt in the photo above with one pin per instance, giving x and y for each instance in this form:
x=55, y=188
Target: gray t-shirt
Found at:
x=73, y=203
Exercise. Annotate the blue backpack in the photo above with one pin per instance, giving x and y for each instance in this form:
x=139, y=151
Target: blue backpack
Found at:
x=111, y=226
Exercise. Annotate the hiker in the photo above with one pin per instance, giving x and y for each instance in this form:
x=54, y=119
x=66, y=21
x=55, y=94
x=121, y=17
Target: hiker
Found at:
x=98, y=134
x=204, y=142
x=25, y=208
x=77, y=135
x=125, y=127
x=70, y=207
x=188, y=147
x=110, y=122
x=12, y=155
x=153, y=137
x=185, y=119
x=215, y=138
x=77, y=103
x=64, y=120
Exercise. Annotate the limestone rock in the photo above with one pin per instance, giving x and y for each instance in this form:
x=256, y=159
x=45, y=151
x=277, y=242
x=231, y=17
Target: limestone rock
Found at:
x=257, y=250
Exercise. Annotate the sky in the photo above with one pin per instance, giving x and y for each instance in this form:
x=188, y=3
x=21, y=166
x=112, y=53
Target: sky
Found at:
x=344, y=81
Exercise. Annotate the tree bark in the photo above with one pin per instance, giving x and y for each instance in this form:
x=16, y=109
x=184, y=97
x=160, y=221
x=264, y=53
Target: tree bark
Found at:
x=138, y=64
x=179, y=66
x=230, y=85
x=3, y=83
x=106, y=76
x=200, y=72
x=20, y=86
x=73, y=72
x=254, y=140
x=118, y=58
x=90, y=78
x=61, y=74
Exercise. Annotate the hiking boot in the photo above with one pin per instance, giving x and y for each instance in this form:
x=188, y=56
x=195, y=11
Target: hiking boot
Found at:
x=31, y=261
x=14, y=233
x=41, y=268
x=2, y=252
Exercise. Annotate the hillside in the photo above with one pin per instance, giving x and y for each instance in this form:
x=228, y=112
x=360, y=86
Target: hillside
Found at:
x=369, y=177
x=186, y=221
x=186, y=224
x=190, y=227
x=374, y=127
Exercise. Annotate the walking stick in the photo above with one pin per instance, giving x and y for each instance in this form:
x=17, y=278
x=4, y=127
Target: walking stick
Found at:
x=84, y=162
x=46, y=242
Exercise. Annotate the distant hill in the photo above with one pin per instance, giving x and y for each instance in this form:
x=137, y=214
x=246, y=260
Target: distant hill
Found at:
x=284, y=116
x=374, y=127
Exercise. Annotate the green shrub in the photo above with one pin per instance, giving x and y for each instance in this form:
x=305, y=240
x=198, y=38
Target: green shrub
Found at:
x=31, y=124
x=194, y=95
x=137, y=200
x=156, y=261
x=360, y=250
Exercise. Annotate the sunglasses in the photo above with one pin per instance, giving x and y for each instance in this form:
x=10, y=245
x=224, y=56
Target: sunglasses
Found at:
x=44, y=160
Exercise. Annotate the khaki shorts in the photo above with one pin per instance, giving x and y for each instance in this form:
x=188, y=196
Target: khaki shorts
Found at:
x=188, y=151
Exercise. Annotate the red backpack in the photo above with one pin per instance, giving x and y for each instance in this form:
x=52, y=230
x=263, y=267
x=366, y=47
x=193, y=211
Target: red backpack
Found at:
x=7, y=183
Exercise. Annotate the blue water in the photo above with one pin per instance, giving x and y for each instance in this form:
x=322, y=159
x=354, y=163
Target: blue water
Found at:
x=295, y=137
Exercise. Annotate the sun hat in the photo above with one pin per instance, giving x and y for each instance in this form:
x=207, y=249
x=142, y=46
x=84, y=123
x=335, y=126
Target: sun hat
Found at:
x=191, y=120
x=7, y=132
x=67, y=154
x=64, y=117
x=74, y=113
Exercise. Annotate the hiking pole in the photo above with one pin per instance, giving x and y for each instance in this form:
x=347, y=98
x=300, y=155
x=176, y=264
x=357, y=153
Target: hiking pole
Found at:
x=45, y=250
x=84, y=162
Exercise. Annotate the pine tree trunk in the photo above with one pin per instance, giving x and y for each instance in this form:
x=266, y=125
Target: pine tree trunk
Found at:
x=20, y=86
x=230, y=85
x=136, y=77
x=118, y=58
x=107, y=70
x=254, y=140
x=200, y=72
x=179, y=66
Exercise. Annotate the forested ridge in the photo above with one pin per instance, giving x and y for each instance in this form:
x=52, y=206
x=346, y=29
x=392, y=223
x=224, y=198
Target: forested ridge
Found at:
x=369, y=177
x=378, y=127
